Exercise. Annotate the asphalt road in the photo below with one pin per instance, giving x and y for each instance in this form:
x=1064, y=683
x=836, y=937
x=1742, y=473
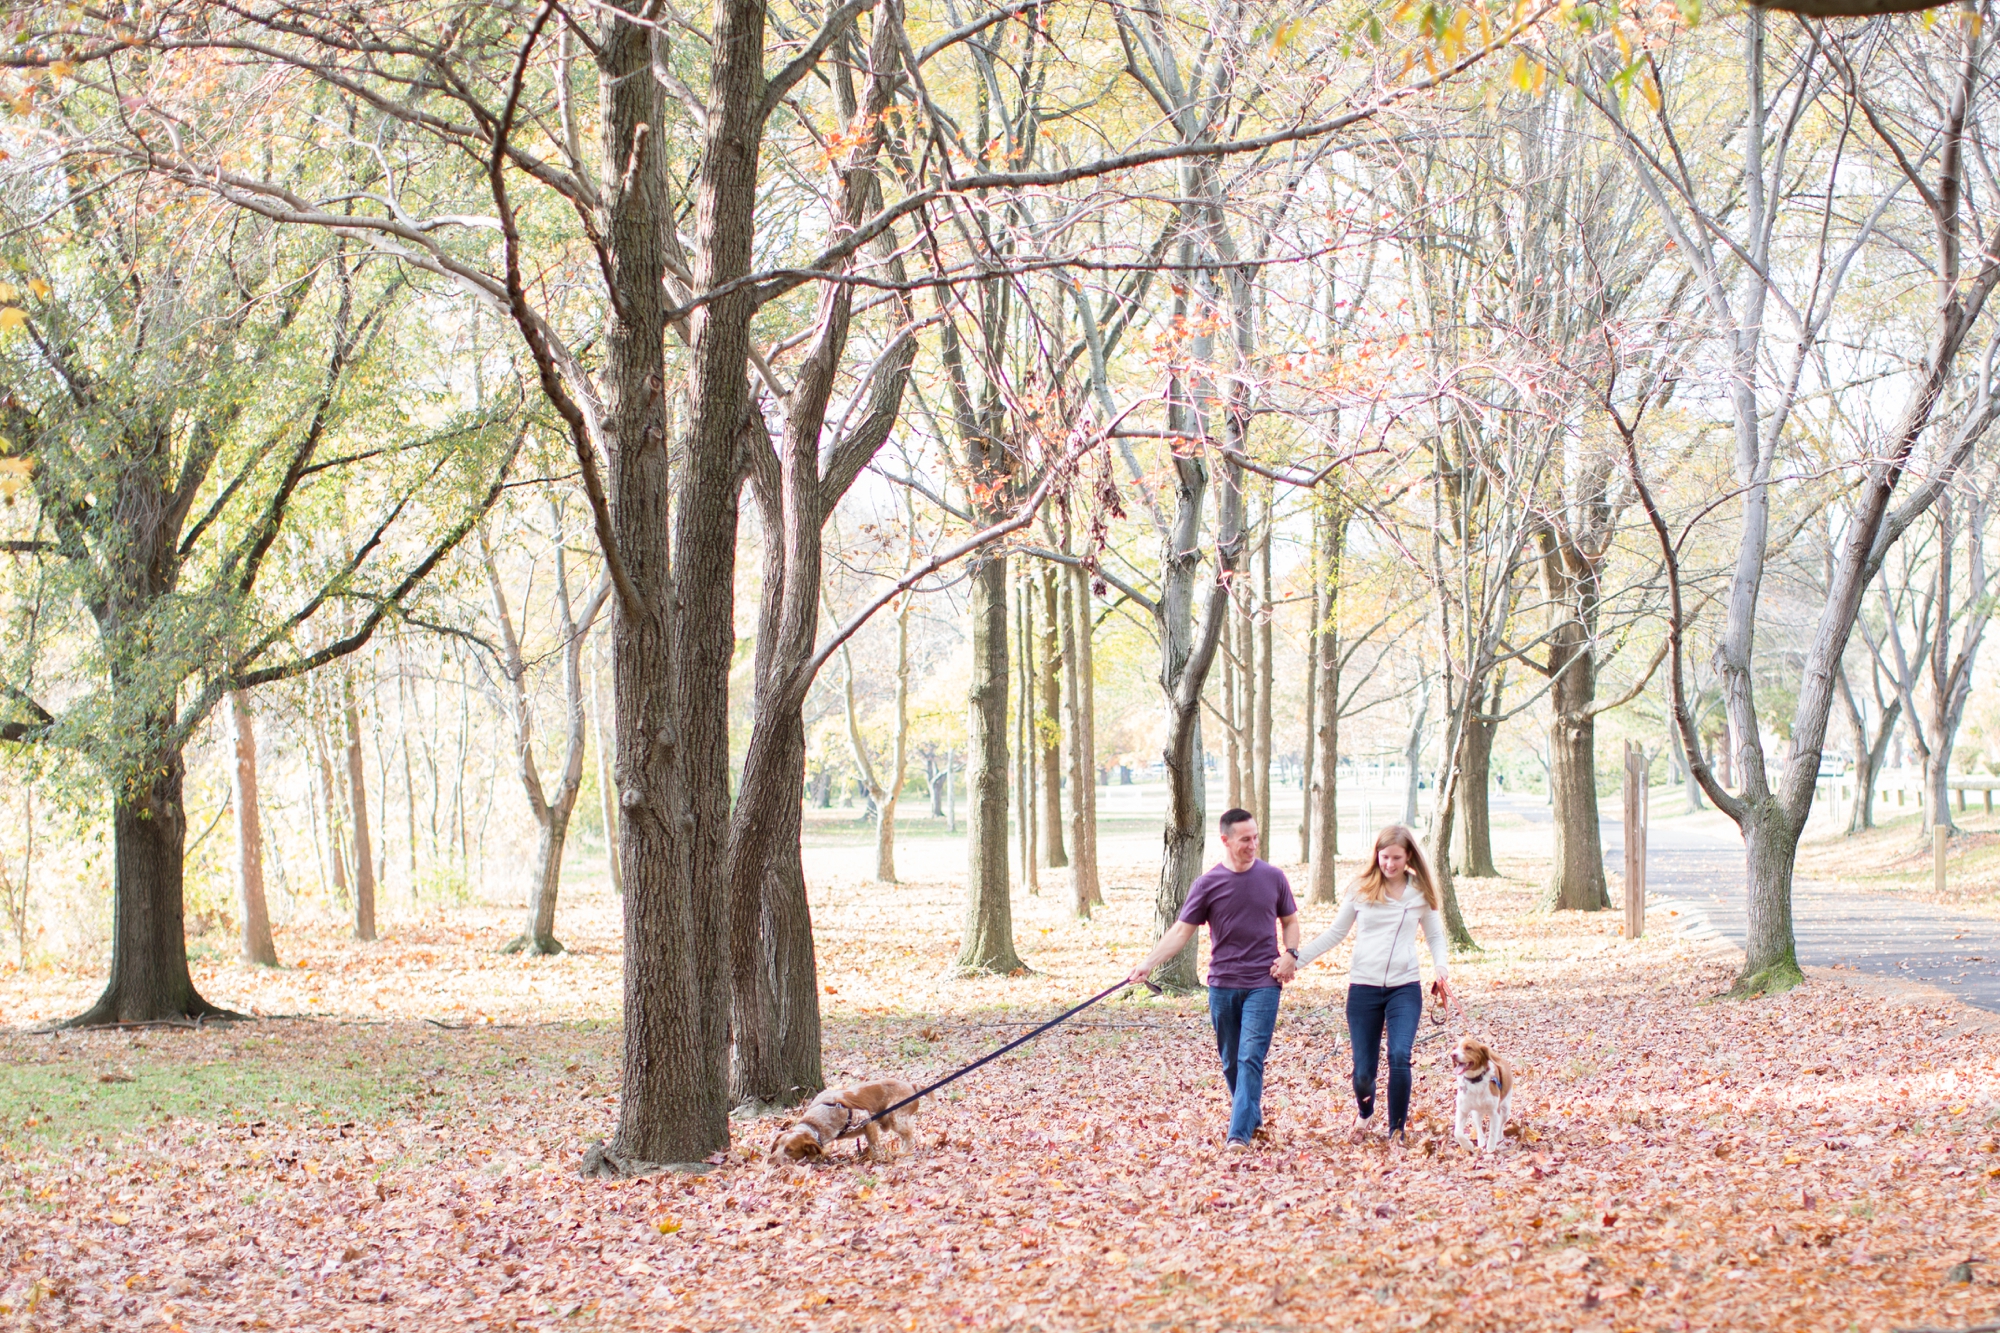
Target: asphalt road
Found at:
x=1699, y=872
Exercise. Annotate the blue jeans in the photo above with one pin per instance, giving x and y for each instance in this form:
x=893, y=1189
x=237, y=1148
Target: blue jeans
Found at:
x=1243, y=1021
x=1369, y=1010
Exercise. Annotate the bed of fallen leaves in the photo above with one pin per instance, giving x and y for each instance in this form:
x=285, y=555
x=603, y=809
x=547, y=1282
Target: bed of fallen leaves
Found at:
x=406, y=1159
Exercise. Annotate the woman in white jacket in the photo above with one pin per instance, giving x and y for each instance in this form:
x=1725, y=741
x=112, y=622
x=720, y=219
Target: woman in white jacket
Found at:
x=1391, y=901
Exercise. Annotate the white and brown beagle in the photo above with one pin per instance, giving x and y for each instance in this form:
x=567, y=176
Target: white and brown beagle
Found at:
x=1484, y=1086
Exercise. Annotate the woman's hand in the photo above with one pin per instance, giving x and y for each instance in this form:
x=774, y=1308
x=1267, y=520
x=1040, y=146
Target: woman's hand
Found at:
x=1442, y=989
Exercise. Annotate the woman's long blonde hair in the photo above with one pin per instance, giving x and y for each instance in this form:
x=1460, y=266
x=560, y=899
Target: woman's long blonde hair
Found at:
x=1369, y=887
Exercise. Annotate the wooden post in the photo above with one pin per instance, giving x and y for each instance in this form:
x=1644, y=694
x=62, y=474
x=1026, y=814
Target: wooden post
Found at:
x=1635, y=840
x=1937, y=857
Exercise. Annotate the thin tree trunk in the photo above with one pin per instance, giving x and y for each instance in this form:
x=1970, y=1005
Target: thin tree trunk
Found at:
x=606, y=785
x=1413, y=755
x=357, y=783
x=1326, y=653
x=899, y=763
x=258, y=947
x=1048, y=722
x=1232, y=745
x=987, y=943
x=1084, y=891
x=1024, y=729
x=1260, y=744
x=1308, y=787
x=336, y=829
x=1085, y=729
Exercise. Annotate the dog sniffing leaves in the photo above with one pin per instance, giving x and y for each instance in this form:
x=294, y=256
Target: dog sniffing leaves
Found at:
x=846, y=1113
x=1484, y=1086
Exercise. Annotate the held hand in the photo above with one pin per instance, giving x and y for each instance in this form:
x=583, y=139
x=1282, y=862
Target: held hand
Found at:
x=1285, y=968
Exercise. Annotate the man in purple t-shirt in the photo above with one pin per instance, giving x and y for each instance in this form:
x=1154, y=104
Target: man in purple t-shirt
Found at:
x=1244, y=902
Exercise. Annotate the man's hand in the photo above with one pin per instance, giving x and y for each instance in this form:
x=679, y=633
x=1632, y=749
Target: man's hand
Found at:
x=1139, y=975
x=1285, y=968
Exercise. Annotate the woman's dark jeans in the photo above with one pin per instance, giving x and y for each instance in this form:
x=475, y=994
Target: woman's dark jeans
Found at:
x=1369, y=1010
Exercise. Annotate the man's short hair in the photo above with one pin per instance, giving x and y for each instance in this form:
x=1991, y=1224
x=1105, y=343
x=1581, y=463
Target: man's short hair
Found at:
x=1232, y=817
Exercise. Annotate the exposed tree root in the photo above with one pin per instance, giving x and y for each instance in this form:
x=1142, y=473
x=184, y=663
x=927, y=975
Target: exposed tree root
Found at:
x=545, y=946
x=603, y=1162
x=1773, y=979
x=104, y=1014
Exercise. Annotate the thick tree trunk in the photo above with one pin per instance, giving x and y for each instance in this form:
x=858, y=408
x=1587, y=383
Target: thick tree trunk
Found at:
x=1577, y=881
x=1455, y=928
x=1475, y=840
x=1048, y=722
x=1326, y=652
x=149, y=972
x=538, y=934
x=258, y=947
x=357, y=788
x=674, y=641
x=987, y=943
x=1770, y=849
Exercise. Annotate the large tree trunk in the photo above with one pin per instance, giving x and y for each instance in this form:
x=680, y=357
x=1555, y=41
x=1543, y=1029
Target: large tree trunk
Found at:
x=676, y=634
x=1577, y=881
x=357, y=788
x=258, y=947
x=1475, y=840
x=1770, y=849
x=149, y=973
x=987, y=944
x=1048, y=722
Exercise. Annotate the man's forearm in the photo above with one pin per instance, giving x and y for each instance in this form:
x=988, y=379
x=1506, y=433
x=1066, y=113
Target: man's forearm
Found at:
x=1170, y=944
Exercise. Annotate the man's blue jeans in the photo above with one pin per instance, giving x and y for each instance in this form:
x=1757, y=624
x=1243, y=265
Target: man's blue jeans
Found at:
x=1370, y=1009
x=1243, y=1022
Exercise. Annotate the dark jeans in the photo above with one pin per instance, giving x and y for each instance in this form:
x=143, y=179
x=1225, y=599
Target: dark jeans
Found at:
x=1243, y=1021
x=1369, y=1010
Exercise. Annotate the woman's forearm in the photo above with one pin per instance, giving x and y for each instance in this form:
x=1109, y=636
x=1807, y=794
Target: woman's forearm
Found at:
x=1331, y=936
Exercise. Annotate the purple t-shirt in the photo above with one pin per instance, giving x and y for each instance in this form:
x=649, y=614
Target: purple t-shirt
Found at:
x=1241, y=910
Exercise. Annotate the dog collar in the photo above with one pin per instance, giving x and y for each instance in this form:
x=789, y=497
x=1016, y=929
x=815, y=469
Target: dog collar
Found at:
x=1480, y=1079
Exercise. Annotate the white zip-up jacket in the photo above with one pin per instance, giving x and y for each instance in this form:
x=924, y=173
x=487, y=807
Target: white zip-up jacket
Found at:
x=1385, y=947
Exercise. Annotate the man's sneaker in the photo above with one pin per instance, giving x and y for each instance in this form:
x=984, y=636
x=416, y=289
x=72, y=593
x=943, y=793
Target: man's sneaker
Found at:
x=1237, y=1145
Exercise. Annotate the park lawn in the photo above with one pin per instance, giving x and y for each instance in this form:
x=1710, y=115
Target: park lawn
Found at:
x=1895, y=858
x=1815, y=1161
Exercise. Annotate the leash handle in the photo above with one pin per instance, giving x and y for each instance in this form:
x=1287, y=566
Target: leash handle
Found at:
x=1063, y=1017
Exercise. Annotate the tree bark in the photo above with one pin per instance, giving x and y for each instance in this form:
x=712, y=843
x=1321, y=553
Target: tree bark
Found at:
x=1413, y=757
x=1475, y=841
x=1868, y=755
x=258, y=947
x=606, y=785
x=1577, y=881
x=987, y=942
x=1260, y=741
x=149, y=980
x=1024, y=729
x=1048, y=721
x=1308, y=786
x=357, y=788
x=1084, y=890
x=1326, y=652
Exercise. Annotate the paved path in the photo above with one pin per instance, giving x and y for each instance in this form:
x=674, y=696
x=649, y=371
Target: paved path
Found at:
x=1868, y=932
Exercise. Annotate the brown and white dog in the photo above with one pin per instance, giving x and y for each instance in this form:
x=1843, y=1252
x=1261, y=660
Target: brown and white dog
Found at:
x=845, y=1113
x=1484, y=1086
